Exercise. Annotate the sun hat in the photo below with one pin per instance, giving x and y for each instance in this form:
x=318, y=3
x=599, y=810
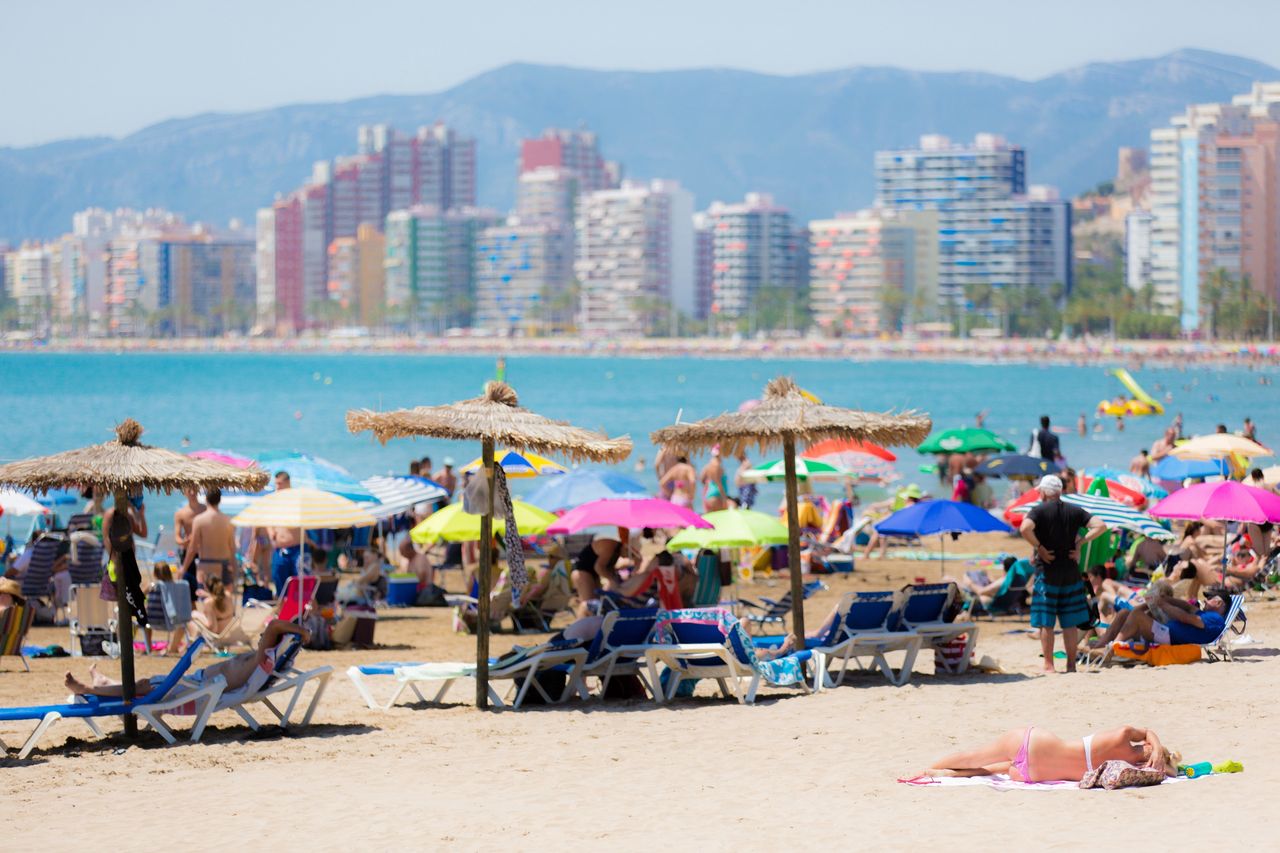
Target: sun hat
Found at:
x=10, y=586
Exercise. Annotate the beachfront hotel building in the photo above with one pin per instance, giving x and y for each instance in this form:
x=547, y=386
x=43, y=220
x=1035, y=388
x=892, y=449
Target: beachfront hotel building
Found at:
x=575, y=151
x=635, y=258
x=429, y=265
x=1215, y=200
x=521, y=271
x=1137, y=249
x=391, y=171
x=859, y=264
x=356, y=275
x=991, y=230
x=754, y=245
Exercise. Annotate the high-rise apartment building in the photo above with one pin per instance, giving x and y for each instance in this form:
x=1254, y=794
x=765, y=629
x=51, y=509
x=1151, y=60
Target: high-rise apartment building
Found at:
x=356, y=275
x=704, y=261
x=521, y=271
x=635, y=257
x=436, y=165
x=265, y=267
x=29, y=282
x=991, y=229
x=1215, y=199
x=861, y=266
x=1137, y=249
x=430, y=263
x=754, y=245
x=577, y=151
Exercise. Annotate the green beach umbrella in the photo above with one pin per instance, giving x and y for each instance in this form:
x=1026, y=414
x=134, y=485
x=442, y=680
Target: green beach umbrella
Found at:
x=732, y=528
x=806, y=469
x=964, y=441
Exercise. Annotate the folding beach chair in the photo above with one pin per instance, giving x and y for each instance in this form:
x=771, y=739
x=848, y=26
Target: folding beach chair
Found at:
x=285, y=678
x=169, y=608
x=91, y=708
x=37, y=579
x=521, y=667
x=536, y=616
x=86, y=559
x=707, y=593
x=863, y=630
x=92, y=621
x=769, y=611
x=696, y=643
x=14, y=624
x=1217, y=649
x=618, y=648
x=924, y=607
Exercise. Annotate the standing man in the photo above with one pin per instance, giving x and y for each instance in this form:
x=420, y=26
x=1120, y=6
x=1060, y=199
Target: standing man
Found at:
x=424, y=468
x=1044, y=442
x=182, y=521
x=1052, y=528
x=1164, y=444
x=1250, y=430
x=288, y=548
x=213, y=544
x=447, y=479
x=1140, y=465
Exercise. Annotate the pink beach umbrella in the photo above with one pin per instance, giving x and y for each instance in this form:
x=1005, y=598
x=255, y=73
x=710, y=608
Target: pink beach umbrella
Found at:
x=226, y=457
x=1224, y=501
x=629, y=513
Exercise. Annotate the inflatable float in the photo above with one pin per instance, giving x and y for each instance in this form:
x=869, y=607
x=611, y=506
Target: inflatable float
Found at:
x=1141, y=404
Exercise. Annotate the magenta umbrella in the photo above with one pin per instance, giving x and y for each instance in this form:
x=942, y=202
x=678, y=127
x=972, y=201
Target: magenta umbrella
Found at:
x=226, y=457
x=629, y=513
x=1224, y=501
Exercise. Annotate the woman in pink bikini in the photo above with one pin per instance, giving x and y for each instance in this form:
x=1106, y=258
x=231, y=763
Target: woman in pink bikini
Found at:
x=1036, y=755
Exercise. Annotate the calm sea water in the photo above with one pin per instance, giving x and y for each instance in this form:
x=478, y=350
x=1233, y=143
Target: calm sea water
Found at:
x=256, y=403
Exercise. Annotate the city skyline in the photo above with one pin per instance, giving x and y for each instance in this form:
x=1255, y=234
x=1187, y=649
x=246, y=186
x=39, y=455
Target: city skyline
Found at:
x=77, y=91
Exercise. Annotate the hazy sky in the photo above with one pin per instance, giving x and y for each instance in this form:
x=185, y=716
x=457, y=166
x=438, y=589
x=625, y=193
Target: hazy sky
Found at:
x=114, y=66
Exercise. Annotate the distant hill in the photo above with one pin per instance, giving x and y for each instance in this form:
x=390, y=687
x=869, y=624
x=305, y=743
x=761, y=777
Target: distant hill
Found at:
x=808, y=139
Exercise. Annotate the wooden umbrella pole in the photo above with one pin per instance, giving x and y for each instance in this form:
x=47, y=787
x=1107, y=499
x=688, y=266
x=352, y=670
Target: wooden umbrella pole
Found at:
x=793, y=541
x=486, y=580
x=124, y=622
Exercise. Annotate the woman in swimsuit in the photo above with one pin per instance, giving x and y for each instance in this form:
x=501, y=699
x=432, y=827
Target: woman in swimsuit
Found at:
x=247, y=669
x=715, y=483
x=1036, y=755
x=682, y=480
x=216, y=608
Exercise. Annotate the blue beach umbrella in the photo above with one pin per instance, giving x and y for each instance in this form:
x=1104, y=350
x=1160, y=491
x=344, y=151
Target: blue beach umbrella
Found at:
x=583, y=486
x=1176, y=470
x=941, y=518
x=312, y=472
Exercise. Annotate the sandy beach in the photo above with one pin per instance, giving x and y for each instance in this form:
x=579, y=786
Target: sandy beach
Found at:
x=706, y=771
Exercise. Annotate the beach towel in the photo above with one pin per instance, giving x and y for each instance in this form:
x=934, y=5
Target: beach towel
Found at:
x=1002, y=782
x=511, y=536
x=1157, y=655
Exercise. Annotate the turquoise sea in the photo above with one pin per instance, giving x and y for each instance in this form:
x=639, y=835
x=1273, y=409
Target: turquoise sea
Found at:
x=253, y=403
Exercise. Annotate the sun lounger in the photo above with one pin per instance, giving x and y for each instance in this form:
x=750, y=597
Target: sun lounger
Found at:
x=89, y=708
x=86, y=559
x=618, y=648
x=37, y=578
x=769, y=611
x=285, y=679
x=523, y=667
x=14, y=624
x=923, y=608
x=864, y=631
x=713, y=644
x=1219, y=648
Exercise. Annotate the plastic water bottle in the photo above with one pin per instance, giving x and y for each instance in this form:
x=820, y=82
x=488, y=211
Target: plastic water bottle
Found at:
x=1201, y=768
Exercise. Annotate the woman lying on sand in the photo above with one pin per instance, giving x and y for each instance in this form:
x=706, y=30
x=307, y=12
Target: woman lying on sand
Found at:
x=1036, y=755
x=247, y=668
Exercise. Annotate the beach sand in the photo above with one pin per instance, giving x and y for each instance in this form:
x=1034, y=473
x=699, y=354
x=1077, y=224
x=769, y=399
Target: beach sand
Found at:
x=794, y=770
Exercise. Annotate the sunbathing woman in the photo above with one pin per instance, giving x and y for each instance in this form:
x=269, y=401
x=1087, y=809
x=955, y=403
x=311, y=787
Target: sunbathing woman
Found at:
x=1035, y=755
x=216, y=608
x=248, y=669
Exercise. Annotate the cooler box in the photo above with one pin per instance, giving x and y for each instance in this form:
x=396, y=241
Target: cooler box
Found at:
x=402, y=590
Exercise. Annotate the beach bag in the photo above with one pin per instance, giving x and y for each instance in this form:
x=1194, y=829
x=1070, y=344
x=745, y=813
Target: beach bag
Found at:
x=948, y=655
x=107, y=587
x=1120, y=774
x=431, y=596
x=93, y=642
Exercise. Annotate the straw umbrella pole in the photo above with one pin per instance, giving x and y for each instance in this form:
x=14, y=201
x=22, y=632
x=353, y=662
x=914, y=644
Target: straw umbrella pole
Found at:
x=125, y=466
x=492, y=418
x=786, y=415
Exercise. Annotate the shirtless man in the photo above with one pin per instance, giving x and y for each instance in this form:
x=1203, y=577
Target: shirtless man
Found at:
x=285, y=541
x=213, y=544
x=1140, y=465
x=182, y=520
x=446, y=478
x=682, y=482
x=1164, y=444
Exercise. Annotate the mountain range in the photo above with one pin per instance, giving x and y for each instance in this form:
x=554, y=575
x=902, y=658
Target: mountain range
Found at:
x=807, y=139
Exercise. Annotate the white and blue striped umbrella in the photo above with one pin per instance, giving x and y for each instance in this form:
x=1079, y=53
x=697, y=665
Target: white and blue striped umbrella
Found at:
x=400, y=493
x=1114, y=515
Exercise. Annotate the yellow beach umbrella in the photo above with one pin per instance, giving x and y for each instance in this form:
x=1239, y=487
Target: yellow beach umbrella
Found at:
x=1219, y=446
x=733, y=528
x=519, y=465
x=305, y=509
x=452, y=524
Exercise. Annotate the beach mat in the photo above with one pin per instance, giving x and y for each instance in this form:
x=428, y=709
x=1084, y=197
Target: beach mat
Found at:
x=1002, y=782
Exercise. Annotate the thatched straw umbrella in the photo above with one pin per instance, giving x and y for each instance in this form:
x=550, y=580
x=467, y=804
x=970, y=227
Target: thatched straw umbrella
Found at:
x=786, y=415
x=492, y=418
x=123, y=467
